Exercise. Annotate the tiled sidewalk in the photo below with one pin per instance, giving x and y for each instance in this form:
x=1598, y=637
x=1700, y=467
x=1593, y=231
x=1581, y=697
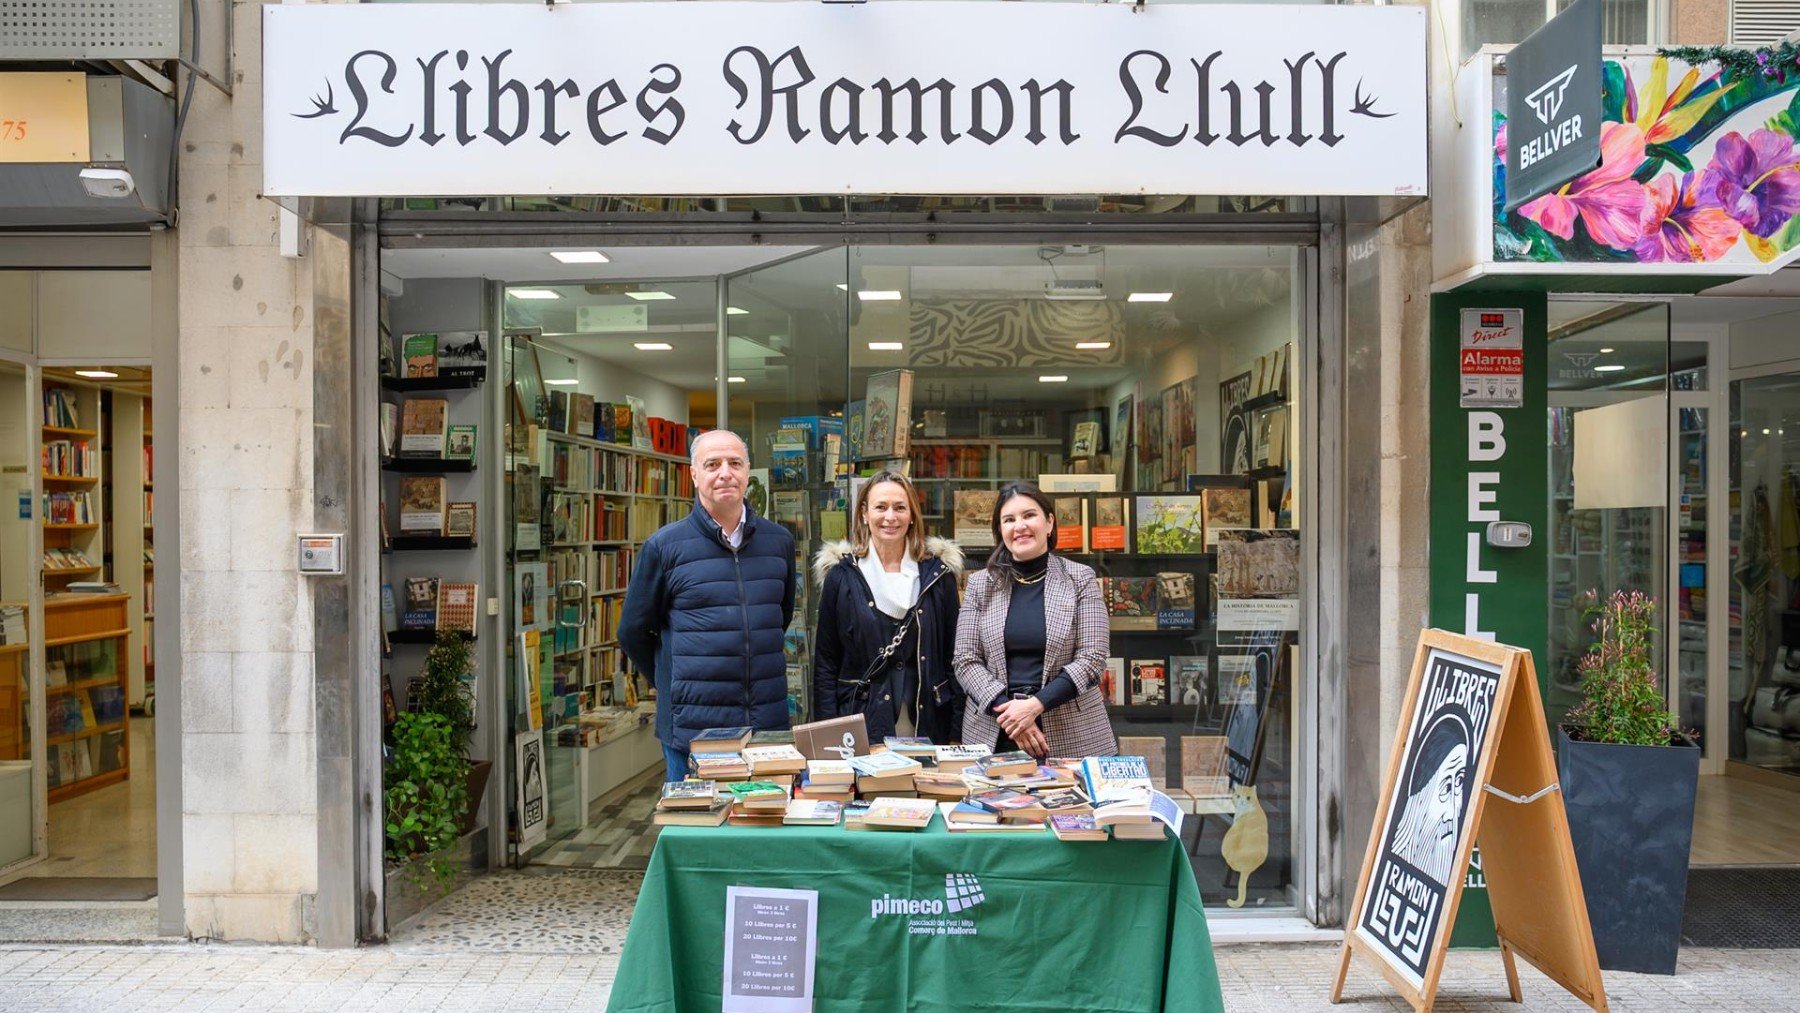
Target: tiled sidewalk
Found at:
x=537, y=940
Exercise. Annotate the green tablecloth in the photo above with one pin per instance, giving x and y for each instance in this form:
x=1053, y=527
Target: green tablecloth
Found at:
x=1067, y=925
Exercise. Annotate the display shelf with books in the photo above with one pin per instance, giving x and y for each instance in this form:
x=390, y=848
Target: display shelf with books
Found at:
x=427, y=466
x=71, y=469
x=414, y=384
x=86, y=673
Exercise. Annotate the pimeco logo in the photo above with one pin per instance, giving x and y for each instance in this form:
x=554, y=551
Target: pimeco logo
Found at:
x=961, y=892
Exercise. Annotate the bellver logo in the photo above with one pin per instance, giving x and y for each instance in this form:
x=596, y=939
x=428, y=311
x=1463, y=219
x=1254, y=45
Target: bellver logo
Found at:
x=1547, y=100
x=962, y=892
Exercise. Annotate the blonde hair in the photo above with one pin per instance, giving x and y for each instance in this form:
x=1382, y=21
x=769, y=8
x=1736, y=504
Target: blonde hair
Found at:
x=915, y=528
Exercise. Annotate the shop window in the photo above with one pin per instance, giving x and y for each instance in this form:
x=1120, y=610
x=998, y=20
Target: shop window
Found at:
x=1506, y=22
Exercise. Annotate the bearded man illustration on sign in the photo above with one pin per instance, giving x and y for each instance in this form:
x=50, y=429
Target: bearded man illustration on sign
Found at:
x=1431, y=824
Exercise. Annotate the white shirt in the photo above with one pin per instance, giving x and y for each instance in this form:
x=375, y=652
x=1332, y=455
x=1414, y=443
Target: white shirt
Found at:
x=895, y=593
x=735, y=537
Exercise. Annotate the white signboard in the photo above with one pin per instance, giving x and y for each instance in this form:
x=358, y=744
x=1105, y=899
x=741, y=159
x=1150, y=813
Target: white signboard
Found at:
x=771, y=949
x=919, y=97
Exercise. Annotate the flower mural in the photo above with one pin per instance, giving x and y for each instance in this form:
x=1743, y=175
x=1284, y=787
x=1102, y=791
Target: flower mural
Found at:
x=1695, y=173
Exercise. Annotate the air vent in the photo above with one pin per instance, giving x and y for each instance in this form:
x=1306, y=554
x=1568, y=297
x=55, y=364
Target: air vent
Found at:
x=1763, y=22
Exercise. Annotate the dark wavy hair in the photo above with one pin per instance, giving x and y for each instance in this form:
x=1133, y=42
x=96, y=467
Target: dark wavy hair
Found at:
x=1000, y=562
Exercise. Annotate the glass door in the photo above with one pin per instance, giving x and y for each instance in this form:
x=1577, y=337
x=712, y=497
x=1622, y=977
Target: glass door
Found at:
x=1764, y=705
x=22, y=710
x=785, y=386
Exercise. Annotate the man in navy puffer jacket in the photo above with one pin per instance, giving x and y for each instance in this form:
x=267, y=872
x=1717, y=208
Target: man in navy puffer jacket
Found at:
x=710, y=597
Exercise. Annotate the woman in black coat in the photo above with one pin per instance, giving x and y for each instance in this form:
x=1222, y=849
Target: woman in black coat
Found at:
x=889, y=589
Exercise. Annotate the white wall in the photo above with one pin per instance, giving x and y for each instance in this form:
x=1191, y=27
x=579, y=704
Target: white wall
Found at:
x=97, y=316
x=610, y=382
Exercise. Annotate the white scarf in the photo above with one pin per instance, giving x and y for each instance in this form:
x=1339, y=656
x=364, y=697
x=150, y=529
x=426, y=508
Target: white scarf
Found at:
x=894, y=593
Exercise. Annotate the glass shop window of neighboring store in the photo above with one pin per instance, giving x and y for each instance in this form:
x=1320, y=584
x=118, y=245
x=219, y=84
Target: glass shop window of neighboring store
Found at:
x=1153, y=392
x=1609, y=471
x=1764, y=651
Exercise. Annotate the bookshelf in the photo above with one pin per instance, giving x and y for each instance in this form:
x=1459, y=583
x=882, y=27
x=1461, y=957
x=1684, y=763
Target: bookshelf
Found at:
x=71, y=472
x=87, y=663
x=601, y=501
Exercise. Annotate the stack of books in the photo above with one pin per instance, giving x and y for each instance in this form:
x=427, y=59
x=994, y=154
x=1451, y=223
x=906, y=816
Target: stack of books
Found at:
x=717, y=754
x=969, y=818
x=813, y=812
x=690, y=803
x=834, y=780
x=1124, y=799
x=953, y=759
x=1010, y=806
x=913, y=747
x=885, y=775
x=756, y=803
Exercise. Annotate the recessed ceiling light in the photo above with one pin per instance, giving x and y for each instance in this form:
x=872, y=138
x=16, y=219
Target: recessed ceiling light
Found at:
x=580, y=256
x=652, y=346
x=1053, y=379
x=733, y=311
x=843, y=288
x=1605, y=351
x=885, y=346
x=878, y=295
x=1150, y=297
x=561, y=383
x=533, y=293
x=734, y=379
x=1092, y=346
x=97, y=374
x=649, y=296
x=1608, y=369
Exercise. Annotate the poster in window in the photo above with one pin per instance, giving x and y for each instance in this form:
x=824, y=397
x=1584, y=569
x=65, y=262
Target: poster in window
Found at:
x=1234, y=425
x=1429, y=811
x=534, y=815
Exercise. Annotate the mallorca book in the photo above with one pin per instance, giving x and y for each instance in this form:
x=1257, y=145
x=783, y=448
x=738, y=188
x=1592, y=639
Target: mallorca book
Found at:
x=1148, y=678
x=1108, y=531
x=1174, y=600
x=423, y=421
x=1170, y=525
x=1131, y=602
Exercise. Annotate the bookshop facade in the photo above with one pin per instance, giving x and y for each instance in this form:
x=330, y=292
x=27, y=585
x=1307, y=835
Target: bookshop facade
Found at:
x=526, y=372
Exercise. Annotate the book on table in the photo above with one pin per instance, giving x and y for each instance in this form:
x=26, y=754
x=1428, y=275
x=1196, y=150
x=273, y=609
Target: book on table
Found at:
x=914, y=746
x=1076, y=827
x=900, y=813
x=941, y=784
x=1117, y=786
x=711, y=816
x=776, y=759
x=758, y=796
x=1161, y=818
x=855, y=812
x=888, y=764
x=691, y=793
x=721, y=740
x=1010, y=804
x=959, y=819
x=718, y=766
x=968, y=812
x=1009, y=764
x=959, y=757
x=813, y=812
x=820, y=773
x=1064, y=801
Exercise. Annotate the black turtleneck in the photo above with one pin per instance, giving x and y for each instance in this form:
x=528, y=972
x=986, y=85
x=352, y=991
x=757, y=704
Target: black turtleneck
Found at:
x=1025, y=639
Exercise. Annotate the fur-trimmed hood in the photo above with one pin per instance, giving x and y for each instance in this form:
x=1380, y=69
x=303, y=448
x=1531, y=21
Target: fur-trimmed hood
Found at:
x=942, y=549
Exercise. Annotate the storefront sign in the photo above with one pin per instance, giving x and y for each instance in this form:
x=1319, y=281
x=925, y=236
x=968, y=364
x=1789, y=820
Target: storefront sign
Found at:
x=771, y=942
x=1553, y=103
x=925, y=97
x=43, y=117
x=1492, y=363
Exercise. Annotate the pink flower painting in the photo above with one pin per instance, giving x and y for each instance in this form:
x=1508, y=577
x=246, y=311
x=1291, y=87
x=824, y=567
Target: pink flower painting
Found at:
x=1611, y=206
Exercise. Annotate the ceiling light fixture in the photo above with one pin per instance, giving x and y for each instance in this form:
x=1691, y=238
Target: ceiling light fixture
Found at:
x=885, y=346
x=97, y=374
x=733, y=311
x=651, y=296
x=652, y=346
x=580, y=256
x=1150, y=297
x=1608, y=369
x=561, y=383
x=1053, y=379
x=879, y=295
x=843, y=288
x=734, y=379
x=1606, y=351
x=533, y=293
x=1093, y=346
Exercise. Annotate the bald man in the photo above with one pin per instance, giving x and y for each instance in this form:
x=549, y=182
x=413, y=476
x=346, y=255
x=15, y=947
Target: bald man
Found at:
x=710, y=598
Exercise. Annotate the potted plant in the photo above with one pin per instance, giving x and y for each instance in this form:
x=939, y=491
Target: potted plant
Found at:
x=444, y=689
x=425, y=796
x=1628, y=777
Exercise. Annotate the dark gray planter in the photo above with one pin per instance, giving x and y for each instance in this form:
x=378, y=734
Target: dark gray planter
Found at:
x=1631, y=814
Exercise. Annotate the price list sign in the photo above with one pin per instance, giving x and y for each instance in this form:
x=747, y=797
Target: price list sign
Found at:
x=771, y=942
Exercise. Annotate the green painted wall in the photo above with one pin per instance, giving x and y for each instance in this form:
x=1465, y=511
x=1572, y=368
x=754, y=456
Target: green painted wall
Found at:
x=1514, y=606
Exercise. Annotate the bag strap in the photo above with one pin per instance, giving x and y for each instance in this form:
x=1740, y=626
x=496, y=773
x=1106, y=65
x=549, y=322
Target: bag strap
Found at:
x=880, y=664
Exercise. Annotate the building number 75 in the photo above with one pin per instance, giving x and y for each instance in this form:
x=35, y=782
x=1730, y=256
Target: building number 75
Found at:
x=12, y=130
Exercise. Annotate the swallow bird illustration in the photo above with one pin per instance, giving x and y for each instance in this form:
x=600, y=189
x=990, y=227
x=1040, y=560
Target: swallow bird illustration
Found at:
x=321, y=107
x=1366, y=106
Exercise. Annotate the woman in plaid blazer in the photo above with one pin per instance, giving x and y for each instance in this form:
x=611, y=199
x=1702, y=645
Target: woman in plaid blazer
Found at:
x=1032, y=640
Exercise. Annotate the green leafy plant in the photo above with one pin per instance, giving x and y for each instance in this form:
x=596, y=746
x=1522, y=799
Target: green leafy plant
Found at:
x=425, y=795
x=444, y=689
x=1621, y=703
